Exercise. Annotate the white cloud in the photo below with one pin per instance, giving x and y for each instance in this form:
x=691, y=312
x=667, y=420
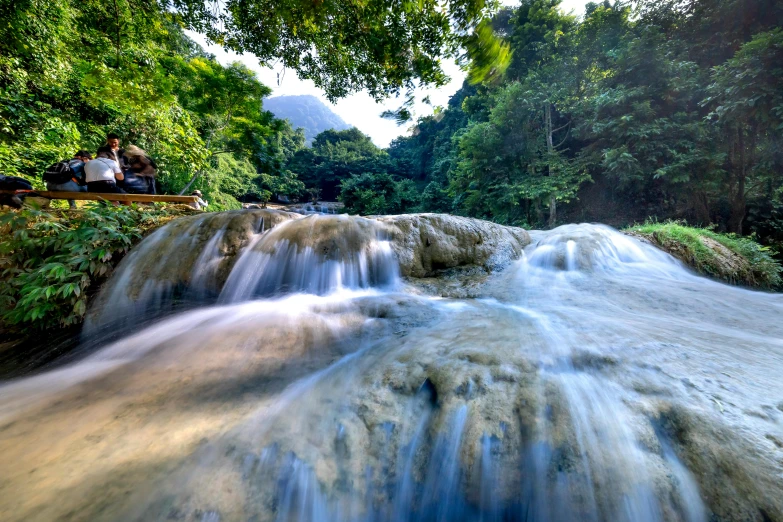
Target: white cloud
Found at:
x=359, y=109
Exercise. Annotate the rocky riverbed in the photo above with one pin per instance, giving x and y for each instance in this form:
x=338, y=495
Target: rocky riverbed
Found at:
x=420, y=368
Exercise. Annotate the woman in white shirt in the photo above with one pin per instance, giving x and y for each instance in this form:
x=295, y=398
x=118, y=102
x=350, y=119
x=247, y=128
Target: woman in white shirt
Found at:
x=103, y=172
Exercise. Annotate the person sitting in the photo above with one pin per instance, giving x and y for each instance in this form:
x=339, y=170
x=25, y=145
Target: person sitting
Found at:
x=200, y=203
x=139, y=170
x=15, y=187
x=113, y=143
x=68, y=175
x=103, y=173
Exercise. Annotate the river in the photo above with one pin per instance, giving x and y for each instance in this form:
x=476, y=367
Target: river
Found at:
x=594, y=378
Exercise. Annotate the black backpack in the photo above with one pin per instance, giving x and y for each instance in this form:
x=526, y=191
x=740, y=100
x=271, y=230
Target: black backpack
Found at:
x=14, y=183
x=60, y=172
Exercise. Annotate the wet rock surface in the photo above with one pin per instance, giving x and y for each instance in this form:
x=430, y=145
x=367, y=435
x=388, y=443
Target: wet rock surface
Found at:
x=594, y=379
x=192, y=259
x=428, y=243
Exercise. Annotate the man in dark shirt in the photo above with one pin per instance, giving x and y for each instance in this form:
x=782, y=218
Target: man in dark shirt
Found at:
x=113, y=142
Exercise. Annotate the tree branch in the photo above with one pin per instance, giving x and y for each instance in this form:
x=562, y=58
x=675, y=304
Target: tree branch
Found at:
x=119, y=31
x=563, y=127
x=564, y=139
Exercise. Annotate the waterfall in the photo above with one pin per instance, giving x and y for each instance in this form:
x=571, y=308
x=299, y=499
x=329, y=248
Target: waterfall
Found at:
x=288, y=260
x=305, y=379
x=233, y=257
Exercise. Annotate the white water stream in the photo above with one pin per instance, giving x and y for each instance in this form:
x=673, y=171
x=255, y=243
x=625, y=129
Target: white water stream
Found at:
x=595, y=379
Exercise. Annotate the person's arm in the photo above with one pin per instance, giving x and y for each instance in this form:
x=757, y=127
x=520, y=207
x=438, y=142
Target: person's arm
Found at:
x=118, y=175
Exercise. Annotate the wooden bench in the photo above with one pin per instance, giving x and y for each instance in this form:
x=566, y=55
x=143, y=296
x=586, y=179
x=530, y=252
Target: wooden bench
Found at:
x=99, y=196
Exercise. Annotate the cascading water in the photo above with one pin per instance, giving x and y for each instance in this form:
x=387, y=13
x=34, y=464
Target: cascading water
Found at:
x=315, y=209
x=268, y=254
x=179, y=266
x=315, y=255
x=595, y=379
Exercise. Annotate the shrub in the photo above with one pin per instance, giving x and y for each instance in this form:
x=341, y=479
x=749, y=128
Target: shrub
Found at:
x=51, y=261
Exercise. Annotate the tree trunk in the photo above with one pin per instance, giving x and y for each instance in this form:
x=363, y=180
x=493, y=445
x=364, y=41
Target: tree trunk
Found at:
x=550, y=147
x=198, y=172
x=738, y=208
x=539, y=214
x=738, y=200
x=738, y=205
x=701, y=207
x=552, y=212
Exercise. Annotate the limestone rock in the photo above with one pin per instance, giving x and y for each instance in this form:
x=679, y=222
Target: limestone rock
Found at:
x=427, y=243
x=189, y=257
x=330, y=237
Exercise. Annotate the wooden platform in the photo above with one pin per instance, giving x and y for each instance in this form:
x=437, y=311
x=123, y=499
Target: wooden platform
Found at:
x=99, y=196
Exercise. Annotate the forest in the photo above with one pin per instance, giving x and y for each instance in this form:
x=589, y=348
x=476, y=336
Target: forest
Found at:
x=630, y=112
x=653, y=111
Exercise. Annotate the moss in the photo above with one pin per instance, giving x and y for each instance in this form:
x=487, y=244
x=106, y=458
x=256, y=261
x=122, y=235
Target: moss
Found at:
x=729, y=257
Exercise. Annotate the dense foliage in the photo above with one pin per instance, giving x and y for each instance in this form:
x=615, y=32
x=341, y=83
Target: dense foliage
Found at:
x=666, y=109
x=369, y=193
x=70, y=72
x=334, y=157
x=50, y=262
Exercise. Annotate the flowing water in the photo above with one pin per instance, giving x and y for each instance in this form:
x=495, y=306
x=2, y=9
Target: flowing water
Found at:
x=594, y=379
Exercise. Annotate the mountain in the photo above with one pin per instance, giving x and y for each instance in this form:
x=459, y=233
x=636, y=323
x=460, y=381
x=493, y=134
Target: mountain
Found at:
x=307, y=112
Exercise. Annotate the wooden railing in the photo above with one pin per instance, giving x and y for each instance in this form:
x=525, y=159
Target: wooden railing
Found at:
x=99, y=196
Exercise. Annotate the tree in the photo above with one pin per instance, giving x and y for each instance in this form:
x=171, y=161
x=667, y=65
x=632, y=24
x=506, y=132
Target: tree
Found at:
x=378, y=193
x=544, y=65
x=228, y=101
x=382, y=46
x=508, y=166
x=336, y=156
x=544, y=61
x=747, y=100
x=641, y=119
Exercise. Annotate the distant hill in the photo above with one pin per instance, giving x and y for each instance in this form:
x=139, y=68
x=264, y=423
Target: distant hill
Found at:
x=307, y=112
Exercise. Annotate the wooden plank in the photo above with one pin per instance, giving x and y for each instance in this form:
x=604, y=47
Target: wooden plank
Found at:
x=99, y=196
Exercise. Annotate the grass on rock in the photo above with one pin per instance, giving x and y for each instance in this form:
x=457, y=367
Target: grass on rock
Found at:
x=748, y=262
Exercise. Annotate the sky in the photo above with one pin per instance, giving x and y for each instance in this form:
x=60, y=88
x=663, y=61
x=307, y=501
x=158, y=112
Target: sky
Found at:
x=359, y=109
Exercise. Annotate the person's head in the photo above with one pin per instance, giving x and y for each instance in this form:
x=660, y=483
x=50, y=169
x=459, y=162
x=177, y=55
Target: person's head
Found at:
x=132, y=150
x=83, y=155
x=113, y=141
x=197, y=193
x=105, y=152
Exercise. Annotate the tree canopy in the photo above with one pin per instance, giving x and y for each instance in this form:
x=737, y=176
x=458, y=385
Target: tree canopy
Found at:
x=382, y=46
